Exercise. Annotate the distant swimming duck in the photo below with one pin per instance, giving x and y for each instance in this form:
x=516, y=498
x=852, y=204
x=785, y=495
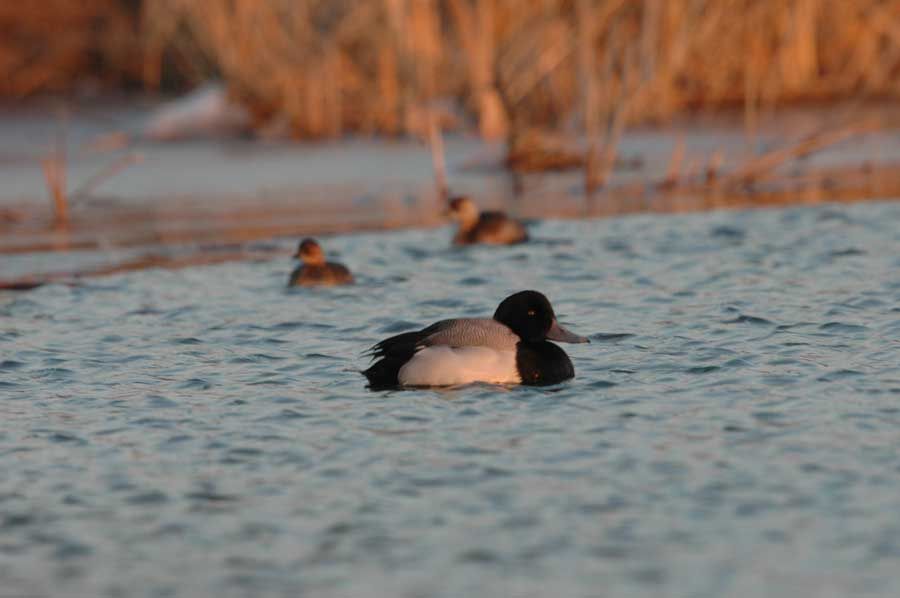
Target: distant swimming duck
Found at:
x=493, y=228
x=315, y=270
x=510, y=348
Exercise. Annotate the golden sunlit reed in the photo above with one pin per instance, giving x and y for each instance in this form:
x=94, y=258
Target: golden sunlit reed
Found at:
x=331, y=67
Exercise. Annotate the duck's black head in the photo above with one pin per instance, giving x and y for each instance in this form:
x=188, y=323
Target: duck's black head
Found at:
x=310, y=252
x=530, y=315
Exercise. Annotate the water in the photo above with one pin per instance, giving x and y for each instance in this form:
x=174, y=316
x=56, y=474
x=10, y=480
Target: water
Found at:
x=732, y=429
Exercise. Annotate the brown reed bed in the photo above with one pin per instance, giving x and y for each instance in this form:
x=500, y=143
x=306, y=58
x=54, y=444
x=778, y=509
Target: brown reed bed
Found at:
x=336, y=66
x=60, y=45
x=331, y=67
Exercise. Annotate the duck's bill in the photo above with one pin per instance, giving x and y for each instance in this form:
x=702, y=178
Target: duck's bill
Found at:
x=560, y=334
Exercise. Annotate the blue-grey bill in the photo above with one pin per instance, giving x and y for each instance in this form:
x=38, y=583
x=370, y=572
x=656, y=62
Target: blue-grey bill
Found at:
x=560, y=334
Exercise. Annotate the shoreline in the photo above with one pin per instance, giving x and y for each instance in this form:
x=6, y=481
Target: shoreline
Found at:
x=188, y=200
x=182, y=249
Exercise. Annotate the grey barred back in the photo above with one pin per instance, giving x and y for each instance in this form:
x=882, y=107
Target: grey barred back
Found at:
x=472, y=332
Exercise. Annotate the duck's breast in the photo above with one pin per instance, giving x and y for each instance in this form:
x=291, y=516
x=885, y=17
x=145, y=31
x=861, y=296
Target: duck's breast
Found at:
x=446, y=366
x=543, y=363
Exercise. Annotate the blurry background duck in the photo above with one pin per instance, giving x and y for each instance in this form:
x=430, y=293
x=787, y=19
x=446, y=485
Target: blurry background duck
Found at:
x=491, y=228
x=315, y=270
x=512, y=347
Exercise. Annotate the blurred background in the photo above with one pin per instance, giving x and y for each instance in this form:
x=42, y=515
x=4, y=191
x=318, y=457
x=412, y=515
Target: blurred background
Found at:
x=242, y=119
x=333, y=67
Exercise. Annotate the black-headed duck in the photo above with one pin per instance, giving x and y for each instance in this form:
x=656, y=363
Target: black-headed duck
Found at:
x=510, y=348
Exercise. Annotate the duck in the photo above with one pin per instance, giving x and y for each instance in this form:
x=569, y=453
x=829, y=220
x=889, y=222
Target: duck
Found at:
x=512, y=347
x=477, y=227
x=315, y=270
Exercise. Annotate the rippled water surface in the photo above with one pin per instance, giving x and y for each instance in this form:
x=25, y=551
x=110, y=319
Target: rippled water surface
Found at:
x=733, y=429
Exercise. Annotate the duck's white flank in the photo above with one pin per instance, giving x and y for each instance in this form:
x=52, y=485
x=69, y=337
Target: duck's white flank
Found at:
x=447, y=366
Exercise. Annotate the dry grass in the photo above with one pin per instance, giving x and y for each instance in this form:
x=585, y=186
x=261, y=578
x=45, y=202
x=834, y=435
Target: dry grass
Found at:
x=53, y=45
x=329, y=67
x=332, y=66
x=55, y=165
x=336, y=66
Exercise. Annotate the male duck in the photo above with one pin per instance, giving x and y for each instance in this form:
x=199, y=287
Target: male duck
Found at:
x=510, y=348
x=493, y=228
x=315, y=270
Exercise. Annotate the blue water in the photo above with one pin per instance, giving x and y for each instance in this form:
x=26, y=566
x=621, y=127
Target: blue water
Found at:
x=732, y=430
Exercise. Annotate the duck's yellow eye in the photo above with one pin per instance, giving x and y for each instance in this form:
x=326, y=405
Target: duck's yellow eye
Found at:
x=530, y=312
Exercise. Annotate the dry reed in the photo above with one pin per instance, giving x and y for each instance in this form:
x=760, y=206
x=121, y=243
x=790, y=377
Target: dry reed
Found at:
x=55, y=165
x=56, y=45
x=55, y=169
x=438, y=159
x=331, y=67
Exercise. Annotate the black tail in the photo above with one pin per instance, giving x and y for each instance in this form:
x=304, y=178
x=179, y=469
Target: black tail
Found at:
x=398, y=346
x=392, y=353
x=382, y=375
